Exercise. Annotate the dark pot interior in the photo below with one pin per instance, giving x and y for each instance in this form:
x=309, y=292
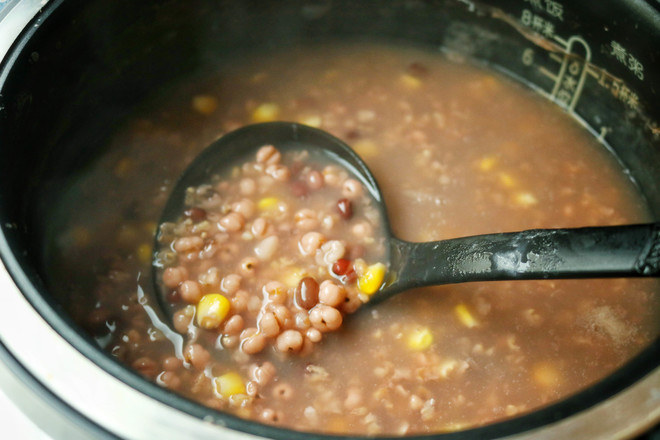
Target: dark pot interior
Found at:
x=82, y=67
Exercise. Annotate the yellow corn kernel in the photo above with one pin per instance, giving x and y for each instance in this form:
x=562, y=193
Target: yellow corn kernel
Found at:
x=525, y=199
x=483, y=87
x=445, y=368
x=127, y=236
x=144, y=253
x=81, y=236
x=451, y=427
x=229, y=384
x=337, y=424
x=487, y=163
x=311, y=120
x=204, y=104
x=464, y=315
x=491, y=83
x=420, y=339
x=506, y=180
x=410, y=82
x=330, y=75
x=150, y=227
x=546, y=375
x=266, y=112
x=258, y=77
x=372, y=279
x=123, y=167
x=267, y=203
x=365, y=148
x=212, y=310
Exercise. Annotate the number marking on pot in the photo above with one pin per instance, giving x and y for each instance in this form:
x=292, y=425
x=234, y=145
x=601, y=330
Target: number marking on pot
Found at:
x=573, y=69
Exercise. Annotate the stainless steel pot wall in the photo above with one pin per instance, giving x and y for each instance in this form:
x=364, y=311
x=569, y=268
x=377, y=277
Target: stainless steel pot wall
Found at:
x=78, y=68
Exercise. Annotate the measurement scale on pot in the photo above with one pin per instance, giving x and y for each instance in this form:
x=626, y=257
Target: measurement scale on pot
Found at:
x=573, y=68
x=565, y=64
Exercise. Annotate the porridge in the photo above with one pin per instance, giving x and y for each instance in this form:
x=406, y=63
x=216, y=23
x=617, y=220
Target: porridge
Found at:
x=457, y=150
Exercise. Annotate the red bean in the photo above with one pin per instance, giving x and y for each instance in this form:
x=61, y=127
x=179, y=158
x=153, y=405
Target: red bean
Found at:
x=341, y=266
x=299, y=189
x=195, y=214
x=307, y=293
x=345, y=208
x=418, y=70
x=344, y=271
x=145, y=366
x=352, y=135
x=173, y=297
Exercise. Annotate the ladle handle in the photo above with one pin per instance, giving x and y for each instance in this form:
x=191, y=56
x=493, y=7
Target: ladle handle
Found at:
x=593, y=252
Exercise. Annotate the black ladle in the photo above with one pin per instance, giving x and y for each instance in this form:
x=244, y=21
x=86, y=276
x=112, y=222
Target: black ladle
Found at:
x=592, y=252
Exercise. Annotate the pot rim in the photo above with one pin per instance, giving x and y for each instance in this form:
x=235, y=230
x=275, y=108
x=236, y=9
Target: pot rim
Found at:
x=97, y=365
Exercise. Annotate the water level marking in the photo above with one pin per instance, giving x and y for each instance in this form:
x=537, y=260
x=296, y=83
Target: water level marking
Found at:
x=572, y=72
x=547, y=73
x=556, y=57
x=604, y=131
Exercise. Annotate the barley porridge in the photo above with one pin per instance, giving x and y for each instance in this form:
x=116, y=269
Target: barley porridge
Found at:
x=458, y=150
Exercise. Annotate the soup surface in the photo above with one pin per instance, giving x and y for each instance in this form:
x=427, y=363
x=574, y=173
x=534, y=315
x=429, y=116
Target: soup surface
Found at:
x=457, y=151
